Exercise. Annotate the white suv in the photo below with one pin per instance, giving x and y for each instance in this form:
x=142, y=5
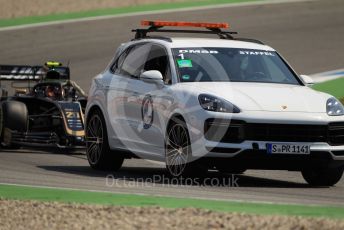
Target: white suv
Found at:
x=198, y=103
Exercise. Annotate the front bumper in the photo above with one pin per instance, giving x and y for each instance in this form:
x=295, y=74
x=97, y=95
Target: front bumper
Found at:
x=259, y=159
x=216, y=149
x=313, y=129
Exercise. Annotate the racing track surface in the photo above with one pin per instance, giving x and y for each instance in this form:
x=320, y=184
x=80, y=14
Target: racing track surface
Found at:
x=309, y=34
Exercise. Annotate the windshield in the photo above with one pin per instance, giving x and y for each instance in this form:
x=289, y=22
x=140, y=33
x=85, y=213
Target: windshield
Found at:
x=231, y=64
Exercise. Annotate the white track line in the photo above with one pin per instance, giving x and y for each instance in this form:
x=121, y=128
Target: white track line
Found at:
x=151, y=13
x=328, y=76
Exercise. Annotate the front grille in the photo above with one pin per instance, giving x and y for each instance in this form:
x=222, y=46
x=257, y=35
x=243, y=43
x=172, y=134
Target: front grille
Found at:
x=338, y=153
x=336, y=133
x=237, y=131
x=222, y=131
x=282, y=132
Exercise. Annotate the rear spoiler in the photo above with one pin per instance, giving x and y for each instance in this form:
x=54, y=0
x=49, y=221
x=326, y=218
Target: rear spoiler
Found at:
x=21, y=73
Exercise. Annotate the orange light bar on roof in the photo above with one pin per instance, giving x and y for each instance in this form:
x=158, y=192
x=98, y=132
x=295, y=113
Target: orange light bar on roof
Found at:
x=185, y=24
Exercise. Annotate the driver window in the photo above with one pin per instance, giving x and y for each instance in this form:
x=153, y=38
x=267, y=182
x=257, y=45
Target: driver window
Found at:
x=252, y=68
x=158, y=60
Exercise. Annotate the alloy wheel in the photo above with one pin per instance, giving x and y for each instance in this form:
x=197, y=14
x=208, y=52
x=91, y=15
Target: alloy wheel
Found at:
x=94, y=139
x=177, y=149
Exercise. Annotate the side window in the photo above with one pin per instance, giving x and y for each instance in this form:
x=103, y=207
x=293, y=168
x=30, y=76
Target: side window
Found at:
x=158, y=60
x=134, y=61
x=118, y=63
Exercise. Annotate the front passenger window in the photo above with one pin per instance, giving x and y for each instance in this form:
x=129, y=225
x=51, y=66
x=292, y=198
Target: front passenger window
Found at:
x=134, y=61
x=158, y=60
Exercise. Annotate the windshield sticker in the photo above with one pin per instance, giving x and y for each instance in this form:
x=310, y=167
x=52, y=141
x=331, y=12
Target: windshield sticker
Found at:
x=256, y=53
x=186, y=77
x=201, y=51
x=184, y=63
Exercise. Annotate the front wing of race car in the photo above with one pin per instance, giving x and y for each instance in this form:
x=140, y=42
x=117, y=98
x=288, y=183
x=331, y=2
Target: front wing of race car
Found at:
x=71, y=119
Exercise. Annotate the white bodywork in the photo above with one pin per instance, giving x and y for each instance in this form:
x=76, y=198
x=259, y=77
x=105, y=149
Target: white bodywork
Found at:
x=121, y=100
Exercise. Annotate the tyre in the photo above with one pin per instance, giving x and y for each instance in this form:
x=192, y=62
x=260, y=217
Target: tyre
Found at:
x=178, y=155
x=14, y=117
x=99, y=154
x=322, y=177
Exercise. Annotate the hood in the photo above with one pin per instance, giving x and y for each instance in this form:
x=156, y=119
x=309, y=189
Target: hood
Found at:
x=266, y=96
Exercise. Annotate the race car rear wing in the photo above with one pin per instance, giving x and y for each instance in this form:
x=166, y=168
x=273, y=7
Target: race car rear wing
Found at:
x=21, y=73
x=30, y=73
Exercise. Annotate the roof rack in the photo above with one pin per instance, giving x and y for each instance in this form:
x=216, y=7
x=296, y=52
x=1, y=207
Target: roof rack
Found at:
x=249, y=40
x=212, y=28
x=168, y=39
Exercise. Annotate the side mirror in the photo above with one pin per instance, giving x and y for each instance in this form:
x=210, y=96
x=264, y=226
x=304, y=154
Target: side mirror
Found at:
x=307, y=79
x=152, y=76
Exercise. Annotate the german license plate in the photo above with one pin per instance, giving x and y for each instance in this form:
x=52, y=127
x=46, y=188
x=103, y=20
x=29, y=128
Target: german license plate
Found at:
x=288, y=148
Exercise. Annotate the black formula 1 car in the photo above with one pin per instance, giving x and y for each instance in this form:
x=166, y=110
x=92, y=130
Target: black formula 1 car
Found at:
x=46, y=108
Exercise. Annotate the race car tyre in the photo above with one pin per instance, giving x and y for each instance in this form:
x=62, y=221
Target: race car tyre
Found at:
x=14, y=116
x=178, y=152
x=99, y=154
x=322, y=177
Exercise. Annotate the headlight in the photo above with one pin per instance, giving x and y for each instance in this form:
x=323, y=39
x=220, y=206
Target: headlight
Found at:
x=212, y=103
x=334, y=107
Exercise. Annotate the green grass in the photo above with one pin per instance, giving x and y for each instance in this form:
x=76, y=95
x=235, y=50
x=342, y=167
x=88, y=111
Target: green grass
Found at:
x=85, y=197
x=333, y=87
x=112, y=11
